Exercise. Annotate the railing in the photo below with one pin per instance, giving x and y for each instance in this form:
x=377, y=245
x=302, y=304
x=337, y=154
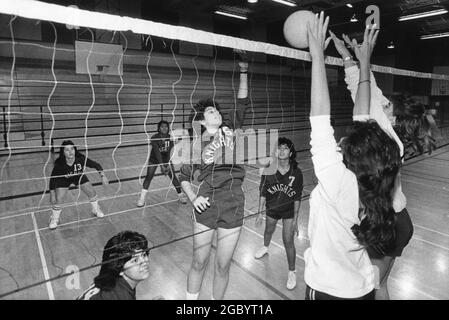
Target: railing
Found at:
x=42, y=127
x=442, y=116
x=5, y=133
x=185, y=113
x=5, y=128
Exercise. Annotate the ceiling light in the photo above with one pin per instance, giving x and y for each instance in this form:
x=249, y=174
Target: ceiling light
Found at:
x=252, y=1
x=232, y=15
x=354, y=19
x=391, y=45
x=287, y=2
x=434, y=36
x=422, y=14
x=349, y=5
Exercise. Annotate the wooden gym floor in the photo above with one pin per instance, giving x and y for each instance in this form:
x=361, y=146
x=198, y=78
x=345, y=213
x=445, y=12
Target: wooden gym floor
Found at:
x=31, y=253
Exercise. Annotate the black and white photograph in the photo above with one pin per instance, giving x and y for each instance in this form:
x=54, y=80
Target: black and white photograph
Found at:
x=251, y=152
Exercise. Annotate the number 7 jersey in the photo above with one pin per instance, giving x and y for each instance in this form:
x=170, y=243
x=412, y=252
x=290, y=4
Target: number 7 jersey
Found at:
x=281, y=190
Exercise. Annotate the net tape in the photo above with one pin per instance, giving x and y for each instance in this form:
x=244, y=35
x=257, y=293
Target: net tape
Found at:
x=84, y=18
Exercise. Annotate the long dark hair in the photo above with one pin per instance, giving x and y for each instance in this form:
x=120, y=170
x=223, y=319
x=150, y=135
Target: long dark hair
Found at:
x=197, y=114
x=291, y=146
x=118, y=250
x=415, y=125
x=374, y=158
x=61, y=159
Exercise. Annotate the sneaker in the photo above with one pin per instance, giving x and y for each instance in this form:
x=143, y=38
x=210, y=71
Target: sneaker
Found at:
x=98, y=213
x=141, y=202
x=291, y=282
x=54, y=220
x=182, y=198
x=261, y=252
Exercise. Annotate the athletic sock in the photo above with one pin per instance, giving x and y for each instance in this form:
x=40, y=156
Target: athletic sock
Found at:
x=143, y=193
x=192, y=296
x=94, y=203
x=56, y=210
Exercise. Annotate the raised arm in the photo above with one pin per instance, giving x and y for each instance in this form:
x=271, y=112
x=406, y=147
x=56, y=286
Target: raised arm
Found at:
x=363, y=53
x=237, y=114
x=320, y=101
x=378, y=100
x=243, y=81
x=327, y=161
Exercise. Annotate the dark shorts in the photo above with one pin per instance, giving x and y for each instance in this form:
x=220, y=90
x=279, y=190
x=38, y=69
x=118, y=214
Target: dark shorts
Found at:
x=281, y=215
x=404, y=232
x=227, y=206
x=312, y=294
x=62, y=182
x=165, y=159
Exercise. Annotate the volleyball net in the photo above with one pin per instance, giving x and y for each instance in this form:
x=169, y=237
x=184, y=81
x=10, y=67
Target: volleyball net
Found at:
x=104, y=82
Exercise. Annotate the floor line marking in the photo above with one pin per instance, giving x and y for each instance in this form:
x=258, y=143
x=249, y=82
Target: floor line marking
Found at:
x=431, y=243
x=51, y=295
x=428, y=229
x=272, y=241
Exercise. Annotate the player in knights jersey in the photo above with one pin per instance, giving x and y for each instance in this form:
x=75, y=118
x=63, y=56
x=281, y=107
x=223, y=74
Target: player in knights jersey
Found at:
x=161, y=144
x=280, y=198
x=219, y=202
x=69, y=170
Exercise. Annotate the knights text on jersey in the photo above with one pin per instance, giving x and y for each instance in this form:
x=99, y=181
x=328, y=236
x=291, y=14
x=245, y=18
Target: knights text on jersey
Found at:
x=221, y=153
x=281, y=190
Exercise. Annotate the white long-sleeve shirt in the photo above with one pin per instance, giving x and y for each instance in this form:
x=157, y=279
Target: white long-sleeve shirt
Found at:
x=335, y=262
x=377, y=113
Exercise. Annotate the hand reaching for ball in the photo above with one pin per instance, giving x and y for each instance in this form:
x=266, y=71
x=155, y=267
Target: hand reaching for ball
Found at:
x=316, y=31
x=243, y=57
x=340, y=46
x=363, y=51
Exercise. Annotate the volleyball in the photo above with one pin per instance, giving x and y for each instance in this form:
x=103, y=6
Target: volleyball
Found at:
x=295, y=28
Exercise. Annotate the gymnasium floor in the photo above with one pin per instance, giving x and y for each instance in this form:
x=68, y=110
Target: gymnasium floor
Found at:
x=31, y=253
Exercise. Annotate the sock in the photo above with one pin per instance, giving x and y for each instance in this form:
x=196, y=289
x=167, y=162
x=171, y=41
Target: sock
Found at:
x=143, y=193
x=94, y=203
x=290, y=271
x=56, y=211
x=192, y=296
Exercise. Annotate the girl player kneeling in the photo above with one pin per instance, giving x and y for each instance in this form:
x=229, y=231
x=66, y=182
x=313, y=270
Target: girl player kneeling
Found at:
x=281, y=192
x=68, y=170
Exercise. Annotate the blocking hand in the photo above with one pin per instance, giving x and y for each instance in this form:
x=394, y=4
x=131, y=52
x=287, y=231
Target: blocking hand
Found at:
x=316, y=31
x=363, y=51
